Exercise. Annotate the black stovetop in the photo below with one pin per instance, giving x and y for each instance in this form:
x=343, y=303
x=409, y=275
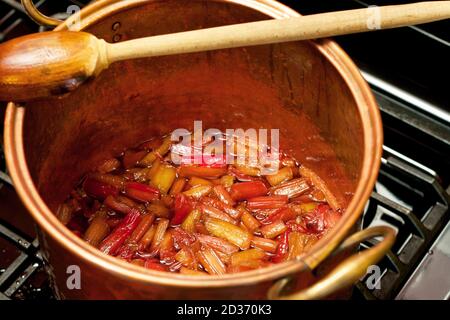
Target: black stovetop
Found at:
x=406, y=69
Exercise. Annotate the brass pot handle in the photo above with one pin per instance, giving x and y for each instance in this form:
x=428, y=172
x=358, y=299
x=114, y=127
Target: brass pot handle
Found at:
x=348, y=271
x=37, y=16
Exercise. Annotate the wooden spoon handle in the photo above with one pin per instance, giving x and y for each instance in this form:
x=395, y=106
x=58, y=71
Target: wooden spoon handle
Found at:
x=273, y=31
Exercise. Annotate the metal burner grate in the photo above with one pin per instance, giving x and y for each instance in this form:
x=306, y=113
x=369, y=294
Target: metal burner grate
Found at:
x=418, y=221
x=25, y=276
x=22, y=274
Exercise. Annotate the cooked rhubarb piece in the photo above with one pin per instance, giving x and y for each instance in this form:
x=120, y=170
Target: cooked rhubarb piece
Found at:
x=292, y=189
x=109, y=166
x=158, y=208
x=198, y=191
x=183, y=205
x=127, y=251
x=196, y=181
x=217, y=214
x=321, y=185
x=268, y=202
x=111, y=179
x=147, y=238
x=177, y=186
x=282, y=248
x=201, y=171
x=154, y=264
x=249, y=220
x=248, y=170
x=247, y=256
x=166, y=249
x=142, y=228
x=141, y=192
x=210, y=261
x=183, y=238
x=223, y=195
x=189, y=222
x=231, y=211
x=264, y=244
x=226, y=180
x=274, y=229
x=233, y=171
x=308, y=207
x=217, y=244
x=161, y=228
x=112, y=243
x=299, y=243
x=116, y=204
x=97, y=230
x=164, y=177
x=200, y=228
x=284, y=213
x=64, y=213
x=158, y=153
x=285, y=174
x=154, y=169
x=187, y=258
x=321, y=219
x=247, y=190
x=229, y=232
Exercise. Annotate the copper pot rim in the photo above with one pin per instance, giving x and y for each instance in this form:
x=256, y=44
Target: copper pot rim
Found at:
x=373, y=136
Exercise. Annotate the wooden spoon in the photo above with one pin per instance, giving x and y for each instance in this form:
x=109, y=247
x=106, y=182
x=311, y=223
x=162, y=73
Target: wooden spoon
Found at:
x=53, y=63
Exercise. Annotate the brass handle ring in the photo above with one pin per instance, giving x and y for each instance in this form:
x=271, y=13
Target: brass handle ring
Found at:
x=37, y=16
x=348, y=271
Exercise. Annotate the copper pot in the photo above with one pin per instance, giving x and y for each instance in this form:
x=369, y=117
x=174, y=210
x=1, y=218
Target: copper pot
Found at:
x=302, y=88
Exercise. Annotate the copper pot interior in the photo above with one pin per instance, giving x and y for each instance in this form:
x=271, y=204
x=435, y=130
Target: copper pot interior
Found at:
x=290, y=86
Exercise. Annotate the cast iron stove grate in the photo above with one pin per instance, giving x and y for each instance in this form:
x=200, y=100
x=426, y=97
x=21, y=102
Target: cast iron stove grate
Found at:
x=418, y=221
x=25, y=277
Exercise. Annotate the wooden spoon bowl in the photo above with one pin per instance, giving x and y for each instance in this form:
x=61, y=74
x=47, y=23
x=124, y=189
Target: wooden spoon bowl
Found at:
x=48, y=63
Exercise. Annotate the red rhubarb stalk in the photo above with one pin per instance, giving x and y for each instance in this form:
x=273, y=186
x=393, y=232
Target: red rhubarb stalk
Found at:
x=115, y=204
x=141, y=192
x=282, y=248
x=269, y=202
x=183, y=205
x=114, y=241
x=284, y=213
x=247, y=190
